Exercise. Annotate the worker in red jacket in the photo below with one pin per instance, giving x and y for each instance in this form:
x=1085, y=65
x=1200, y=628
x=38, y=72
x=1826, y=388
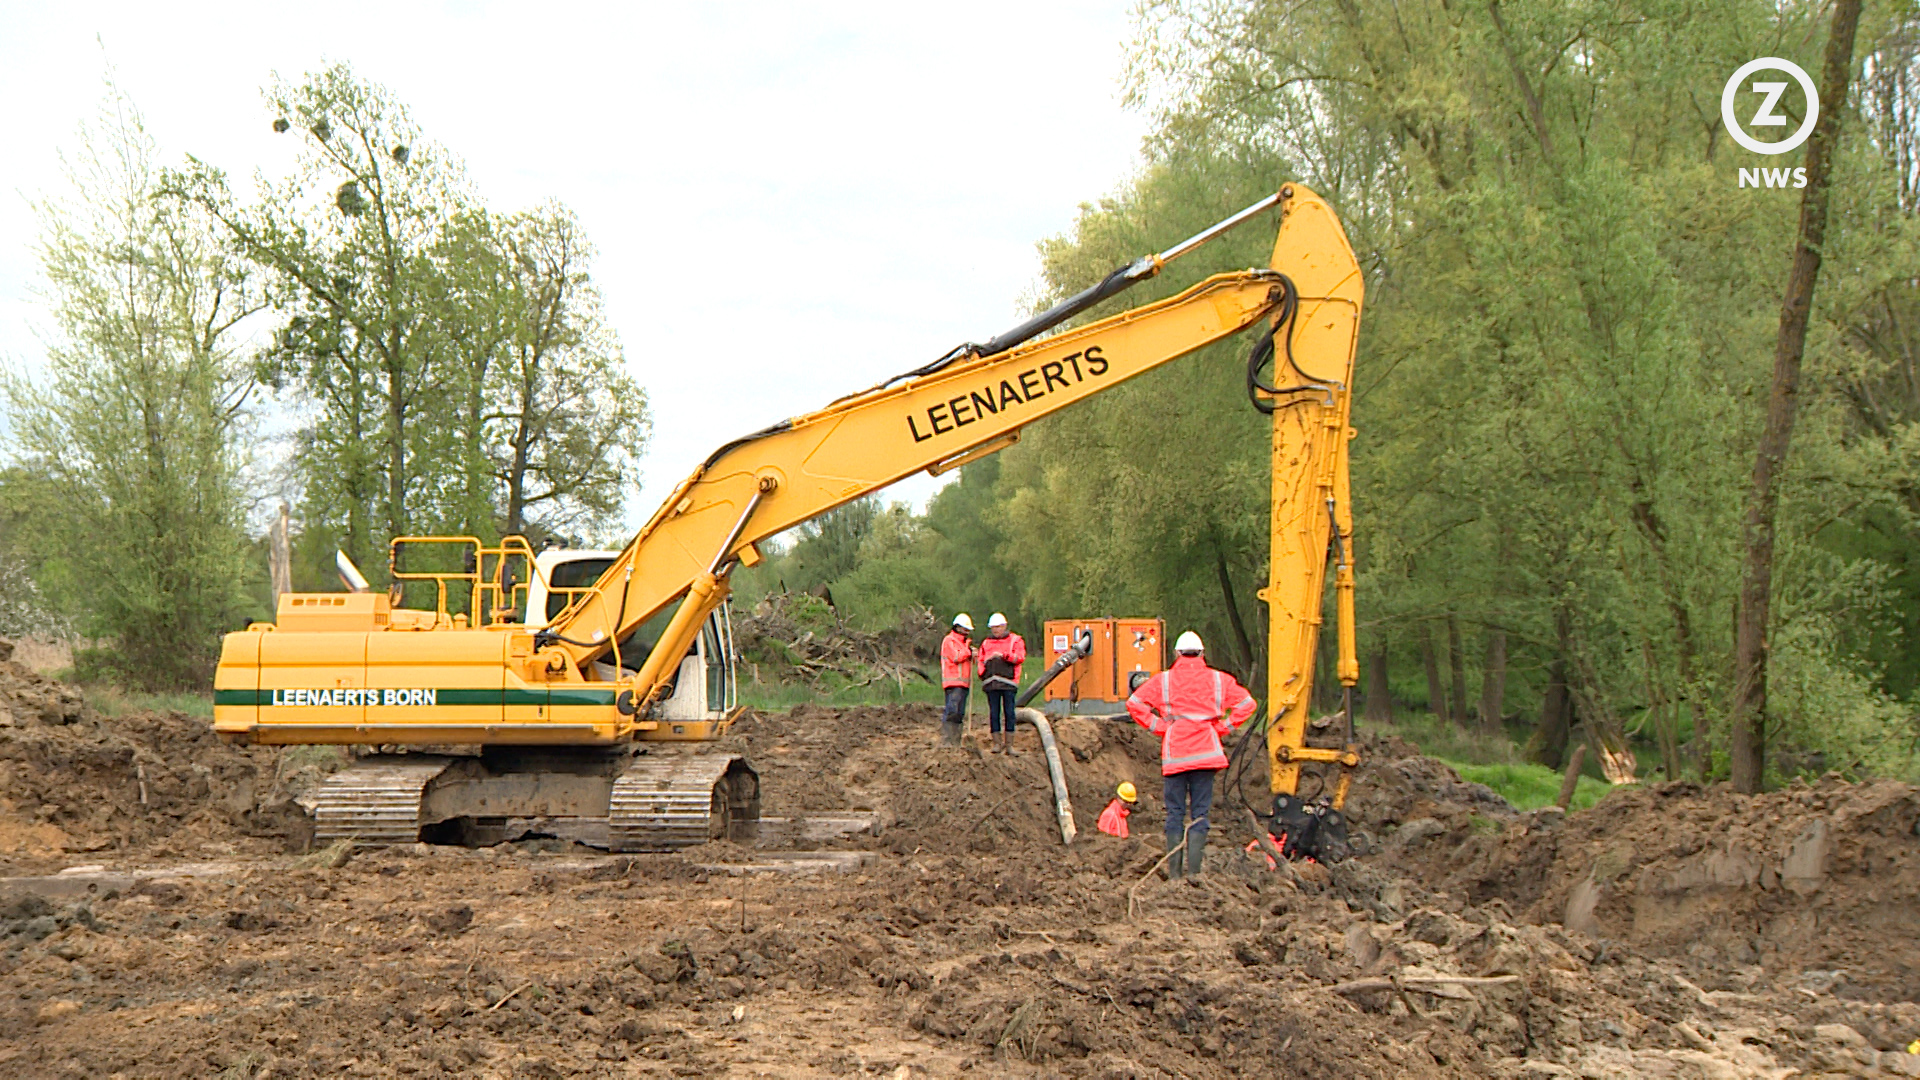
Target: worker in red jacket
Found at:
x=1000, y=658
x=956, y=676
x=1190, y=706
x=1113, y=820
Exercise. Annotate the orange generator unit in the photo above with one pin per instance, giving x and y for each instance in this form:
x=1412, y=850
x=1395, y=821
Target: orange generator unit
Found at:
x=1125, y=653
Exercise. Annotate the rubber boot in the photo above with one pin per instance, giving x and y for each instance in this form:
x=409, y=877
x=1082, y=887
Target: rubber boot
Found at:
x=1176, y=866
x=1196, y=853
x=949, y=734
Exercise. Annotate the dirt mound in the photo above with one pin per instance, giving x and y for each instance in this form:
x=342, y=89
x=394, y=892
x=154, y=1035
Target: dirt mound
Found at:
x=944, y=800
x=972, y=943
x=74, y=782
x=1821, y=879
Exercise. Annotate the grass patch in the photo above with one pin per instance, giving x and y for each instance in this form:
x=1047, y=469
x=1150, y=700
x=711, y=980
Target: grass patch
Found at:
x=1451, y=742
x=332, y=857
x=114, y=701
x=1493, y=760
x=1528, y=786
x=774, y=697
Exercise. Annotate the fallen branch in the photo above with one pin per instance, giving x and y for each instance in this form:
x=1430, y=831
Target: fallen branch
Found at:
x=1177, y=849
x=991, y=809
x=1417, y=983
x=509, y=997
x=1280, y=864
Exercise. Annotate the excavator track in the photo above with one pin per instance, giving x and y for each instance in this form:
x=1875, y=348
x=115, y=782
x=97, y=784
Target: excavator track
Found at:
x=668, y=802
x=374, y=803
x=657, y=802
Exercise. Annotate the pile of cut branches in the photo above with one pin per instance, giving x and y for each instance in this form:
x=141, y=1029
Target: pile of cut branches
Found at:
x=795, y=637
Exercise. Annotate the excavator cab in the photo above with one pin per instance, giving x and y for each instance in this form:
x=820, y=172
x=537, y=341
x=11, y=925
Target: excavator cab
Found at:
x=702, y=687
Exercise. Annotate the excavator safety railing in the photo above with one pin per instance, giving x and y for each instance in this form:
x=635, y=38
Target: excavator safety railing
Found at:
x=495, y=593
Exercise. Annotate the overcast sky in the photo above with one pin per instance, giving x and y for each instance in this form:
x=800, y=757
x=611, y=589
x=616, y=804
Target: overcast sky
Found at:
x=790, y=200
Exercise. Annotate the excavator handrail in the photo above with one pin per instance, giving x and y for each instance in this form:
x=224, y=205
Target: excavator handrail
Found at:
x=481, y=585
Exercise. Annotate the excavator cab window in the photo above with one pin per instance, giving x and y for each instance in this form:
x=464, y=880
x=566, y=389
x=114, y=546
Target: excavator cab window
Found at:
x=573, y=574
x=717, y=666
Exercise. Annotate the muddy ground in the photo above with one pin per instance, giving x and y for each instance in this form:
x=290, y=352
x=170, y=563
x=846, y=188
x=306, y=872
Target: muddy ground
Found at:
x=1667, y=932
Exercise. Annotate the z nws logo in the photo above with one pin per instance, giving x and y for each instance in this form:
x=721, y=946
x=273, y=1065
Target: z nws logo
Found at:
x=1765, y=117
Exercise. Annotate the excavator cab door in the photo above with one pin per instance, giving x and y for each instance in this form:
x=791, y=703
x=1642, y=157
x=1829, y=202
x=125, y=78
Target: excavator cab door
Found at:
x=703, y=689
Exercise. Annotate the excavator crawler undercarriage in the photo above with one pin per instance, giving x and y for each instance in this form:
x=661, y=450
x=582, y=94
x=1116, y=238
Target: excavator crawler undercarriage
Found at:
x=615, y=800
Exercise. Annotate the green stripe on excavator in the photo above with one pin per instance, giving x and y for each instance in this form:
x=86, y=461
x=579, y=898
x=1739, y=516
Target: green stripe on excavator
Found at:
x=456, y=696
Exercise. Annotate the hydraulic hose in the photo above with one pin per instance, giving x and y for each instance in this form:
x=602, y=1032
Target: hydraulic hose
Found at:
x=1263, y=349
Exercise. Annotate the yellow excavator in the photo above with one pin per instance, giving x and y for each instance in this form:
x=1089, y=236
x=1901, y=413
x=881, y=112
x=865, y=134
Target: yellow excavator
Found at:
x=588, y=681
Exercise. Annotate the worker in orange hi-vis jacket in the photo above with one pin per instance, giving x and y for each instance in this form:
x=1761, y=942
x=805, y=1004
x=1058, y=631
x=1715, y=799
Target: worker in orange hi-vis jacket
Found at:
x=956, y=677
x=1113, y=820
x=1001, y=655
x=1190, y=706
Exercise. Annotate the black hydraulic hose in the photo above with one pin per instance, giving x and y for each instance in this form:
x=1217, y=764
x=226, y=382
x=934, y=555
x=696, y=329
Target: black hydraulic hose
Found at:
x=1263, y=349
x=1110, y=286
x=543, y=638
x=1081, y=647
x=743, y=440
x=1237, y=763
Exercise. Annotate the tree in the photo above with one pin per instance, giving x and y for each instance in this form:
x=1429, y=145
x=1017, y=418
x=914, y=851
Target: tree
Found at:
x=350, y=241
x=465, y=378
x=1749, y=708
x=828, y=547
x=568, y=424
x=128, y=457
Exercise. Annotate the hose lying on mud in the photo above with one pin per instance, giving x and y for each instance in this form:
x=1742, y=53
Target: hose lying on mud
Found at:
x=1062, y=806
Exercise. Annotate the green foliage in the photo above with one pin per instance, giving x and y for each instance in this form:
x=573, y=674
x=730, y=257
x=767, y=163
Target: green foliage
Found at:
x=112, y=700
x=774, y=696
x=126, y=494
x=461, y=371
x=828, y=547
x=1528, y=786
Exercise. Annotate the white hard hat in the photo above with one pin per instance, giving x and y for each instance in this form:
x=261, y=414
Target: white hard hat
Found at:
x=963, y=622
x=996, y=619
x=1189, y=643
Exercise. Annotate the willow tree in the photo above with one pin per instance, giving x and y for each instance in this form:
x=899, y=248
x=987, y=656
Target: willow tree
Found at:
x=129, y=447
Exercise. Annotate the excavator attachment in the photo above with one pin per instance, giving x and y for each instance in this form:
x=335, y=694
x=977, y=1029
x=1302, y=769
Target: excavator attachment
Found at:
x=615, y=801
x=1309, y=830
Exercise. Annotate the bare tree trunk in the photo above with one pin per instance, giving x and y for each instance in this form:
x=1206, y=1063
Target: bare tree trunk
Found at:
x=1548, y=746
x=1493, y=683
x=1436, y=696
x=280, y=558
x=1747, y=736
x=1605, y=732
x=1233, y=616
x=1665, y=713
x=1654, y=528
x=1457, y=655
x=1571, y=781
x=1379, y=694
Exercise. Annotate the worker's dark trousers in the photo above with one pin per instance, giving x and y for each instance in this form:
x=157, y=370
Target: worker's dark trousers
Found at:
x=1189, y=796
x=999, y=709
x=955, y=715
